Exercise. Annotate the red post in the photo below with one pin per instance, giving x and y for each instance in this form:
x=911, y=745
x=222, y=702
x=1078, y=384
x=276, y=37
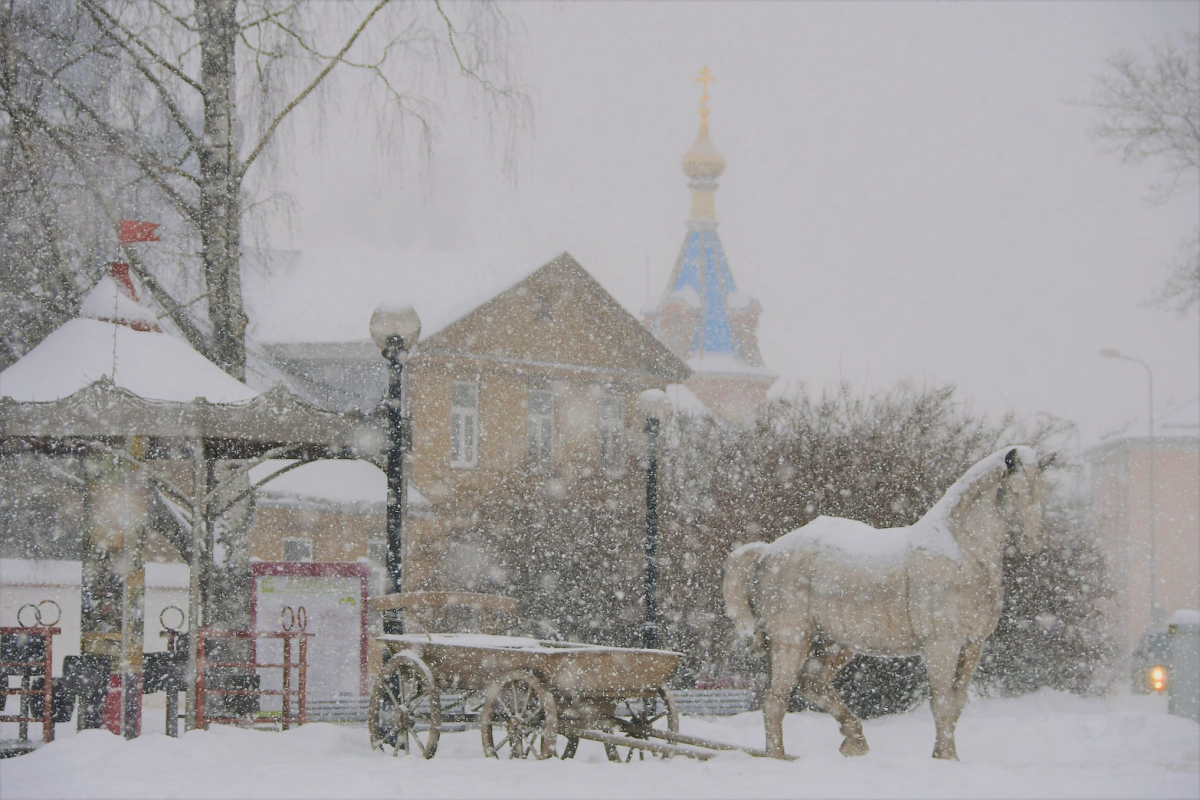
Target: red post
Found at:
x=47, y=687
x=303, y=677
x=287, y=681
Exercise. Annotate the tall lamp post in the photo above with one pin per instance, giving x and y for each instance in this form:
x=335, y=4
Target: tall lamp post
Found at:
x=1108, y=352
x=395, y=330
x=656, y=408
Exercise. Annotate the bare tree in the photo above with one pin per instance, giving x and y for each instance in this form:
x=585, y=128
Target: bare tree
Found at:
x=170, y=104
x=1152, y=112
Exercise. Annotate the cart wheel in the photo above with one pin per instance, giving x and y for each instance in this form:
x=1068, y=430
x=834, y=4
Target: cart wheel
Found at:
x=405, y=712
x=524, y=715
x=636, y=715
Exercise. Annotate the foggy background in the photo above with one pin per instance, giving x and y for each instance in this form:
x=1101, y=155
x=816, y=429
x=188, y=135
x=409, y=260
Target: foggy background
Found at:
x=912, y=192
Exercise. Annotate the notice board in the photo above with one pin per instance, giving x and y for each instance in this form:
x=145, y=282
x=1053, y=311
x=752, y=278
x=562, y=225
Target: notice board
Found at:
x=334, y=598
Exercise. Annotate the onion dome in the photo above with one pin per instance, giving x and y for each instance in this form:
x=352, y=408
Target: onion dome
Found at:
x=703, y=162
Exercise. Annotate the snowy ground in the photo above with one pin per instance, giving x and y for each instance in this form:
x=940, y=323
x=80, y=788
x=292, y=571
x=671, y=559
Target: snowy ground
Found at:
x=1043, y=745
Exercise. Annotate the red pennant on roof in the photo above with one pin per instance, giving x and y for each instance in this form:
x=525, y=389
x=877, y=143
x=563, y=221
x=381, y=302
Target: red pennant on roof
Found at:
x=130, y=231
x=120, y=273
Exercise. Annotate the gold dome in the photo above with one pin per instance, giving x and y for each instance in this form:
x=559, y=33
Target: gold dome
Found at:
x=703, y=161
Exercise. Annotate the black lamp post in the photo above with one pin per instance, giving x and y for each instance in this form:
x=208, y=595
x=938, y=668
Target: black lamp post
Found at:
x=656, y=408
x=395, y=330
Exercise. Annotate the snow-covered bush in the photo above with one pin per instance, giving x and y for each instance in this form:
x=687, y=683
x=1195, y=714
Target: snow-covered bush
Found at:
x=1052, y=631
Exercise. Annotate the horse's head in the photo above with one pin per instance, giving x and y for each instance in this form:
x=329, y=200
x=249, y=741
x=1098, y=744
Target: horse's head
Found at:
x=1019, y=500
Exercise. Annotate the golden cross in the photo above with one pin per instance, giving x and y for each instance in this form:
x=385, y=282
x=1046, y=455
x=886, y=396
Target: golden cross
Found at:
x=704, y=80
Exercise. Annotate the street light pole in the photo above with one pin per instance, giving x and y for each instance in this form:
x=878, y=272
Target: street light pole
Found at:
x=395, y=330
x=1111, y=353
x=656, y=408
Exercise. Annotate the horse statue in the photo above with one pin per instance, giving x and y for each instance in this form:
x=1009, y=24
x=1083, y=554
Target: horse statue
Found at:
x=836, y=587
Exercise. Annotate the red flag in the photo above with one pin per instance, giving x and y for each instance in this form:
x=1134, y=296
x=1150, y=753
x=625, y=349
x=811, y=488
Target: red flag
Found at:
x=120, y=273
x=131, y=231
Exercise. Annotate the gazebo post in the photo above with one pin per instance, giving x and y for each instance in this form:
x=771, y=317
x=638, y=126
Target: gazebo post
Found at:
x=101, y=589
x=133, y=592
x=196, y=574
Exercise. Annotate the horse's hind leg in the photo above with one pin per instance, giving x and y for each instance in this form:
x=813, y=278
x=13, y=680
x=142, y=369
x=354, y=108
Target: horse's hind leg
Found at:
x=816, y=684
x=787, y=656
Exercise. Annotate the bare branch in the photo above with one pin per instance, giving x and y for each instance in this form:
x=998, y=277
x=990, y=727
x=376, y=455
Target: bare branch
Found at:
x=152, y=168
x=266, y=137
x=111, y=23
x=1153, y=111
x=140, y=66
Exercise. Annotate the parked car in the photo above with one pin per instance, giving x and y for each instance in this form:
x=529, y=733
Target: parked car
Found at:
x=1150, y=669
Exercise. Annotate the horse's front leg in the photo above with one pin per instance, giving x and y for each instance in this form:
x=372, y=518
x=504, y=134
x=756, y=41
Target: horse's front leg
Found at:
x=941, y=664
x=787, y=656
x=968, y=662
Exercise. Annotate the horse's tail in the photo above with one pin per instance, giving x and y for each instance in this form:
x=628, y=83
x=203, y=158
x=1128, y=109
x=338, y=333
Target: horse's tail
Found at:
x=740, y=569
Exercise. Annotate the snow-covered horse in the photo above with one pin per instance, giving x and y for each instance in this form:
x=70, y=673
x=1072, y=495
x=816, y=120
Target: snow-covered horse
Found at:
x=818, y=595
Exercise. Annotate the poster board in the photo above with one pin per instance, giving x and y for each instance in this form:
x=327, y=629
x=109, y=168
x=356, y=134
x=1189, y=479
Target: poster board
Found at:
x=334, y=597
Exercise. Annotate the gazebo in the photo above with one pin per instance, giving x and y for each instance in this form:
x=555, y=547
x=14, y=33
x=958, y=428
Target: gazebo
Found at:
x=155, y=424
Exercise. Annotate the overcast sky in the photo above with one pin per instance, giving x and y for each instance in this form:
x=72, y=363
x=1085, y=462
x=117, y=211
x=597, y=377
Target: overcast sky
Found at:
x=910, y=192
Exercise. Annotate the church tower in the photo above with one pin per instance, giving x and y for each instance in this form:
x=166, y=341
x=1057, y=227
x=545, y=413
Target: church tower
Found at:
x=702, y=317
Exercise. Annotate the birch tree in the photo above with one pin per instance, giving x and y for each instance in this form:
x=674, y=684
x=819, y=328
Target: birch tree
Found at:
x=127, y=105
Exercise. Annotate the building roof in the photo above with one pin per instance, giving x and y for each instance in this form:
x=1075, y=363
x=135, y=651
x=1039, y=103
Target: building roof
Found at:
x=116, y=337
x=1174, y=427
x=313, y=296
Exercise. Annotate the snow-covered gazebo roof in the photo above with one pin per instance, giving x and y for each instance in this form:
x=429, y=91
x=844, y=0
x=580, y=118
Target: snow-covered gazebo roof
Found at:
x=113, y=372
x=117, y=338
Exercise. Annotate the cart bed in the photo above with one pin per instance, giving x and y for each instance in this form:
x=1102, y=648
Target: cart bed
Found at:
x=473, y=661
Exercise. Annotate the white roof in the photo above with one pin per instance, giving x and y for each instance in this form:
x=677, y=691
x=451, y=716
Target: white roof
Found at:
x=684, y=399
x=343, y=482
x=315, y=296
x=726, y=364
x=52, y=572
x=151, y=364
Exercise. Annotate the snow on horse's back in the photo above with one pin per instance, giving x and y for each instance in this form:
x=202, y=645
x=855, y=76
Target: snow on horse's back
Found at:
x=838, y=587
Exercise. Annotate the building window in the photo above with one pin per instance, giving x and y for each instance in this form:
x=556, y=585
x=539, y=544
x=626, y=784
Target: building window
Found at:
x=541, y=430
x=297, y=549
x=612, y=433
x=464, y=425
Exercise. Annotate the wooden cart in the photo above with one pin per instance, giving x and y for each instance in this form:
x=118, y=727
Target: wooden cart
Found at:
x=525, y=693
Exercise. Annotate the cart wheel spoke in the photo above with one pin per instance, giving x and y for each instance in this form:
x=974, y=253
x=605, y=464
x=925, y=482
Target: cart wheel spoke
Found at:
x=405, y=708
x=635, y=717
x=520, y=706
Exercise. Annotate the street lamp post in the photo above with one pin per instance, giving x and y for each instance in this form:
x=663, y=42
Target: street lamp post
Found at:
x=656, y=408
x=1108, y=352
x=395, y=330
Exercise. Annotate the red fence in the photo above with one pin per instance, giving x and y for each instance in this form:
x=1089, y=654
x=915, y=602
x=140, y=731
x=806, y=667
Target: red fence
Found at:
x=294, y=642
